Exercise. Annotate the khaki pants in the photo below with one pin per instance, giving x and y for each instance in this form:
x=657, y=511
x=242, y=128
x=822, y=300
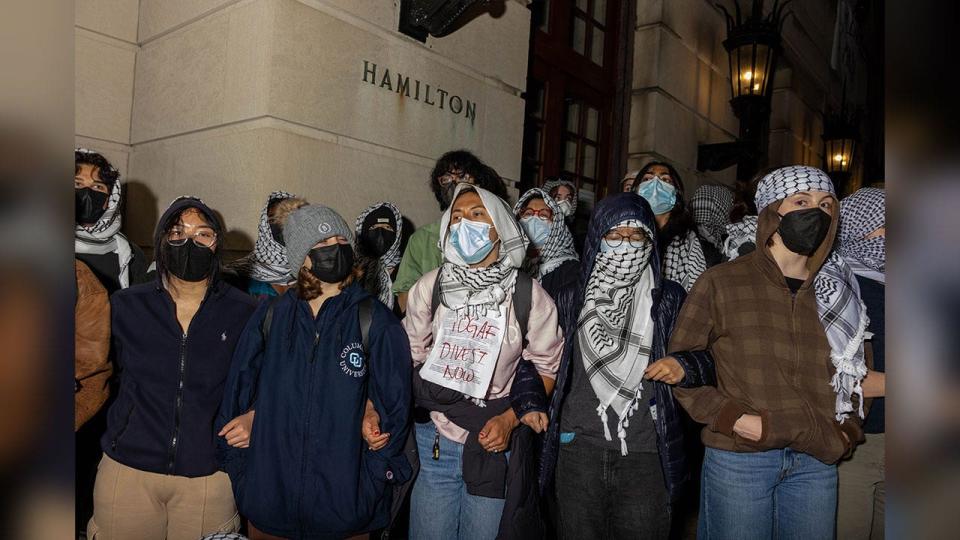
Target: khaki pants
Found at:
x=862, y=491
x=131, y=504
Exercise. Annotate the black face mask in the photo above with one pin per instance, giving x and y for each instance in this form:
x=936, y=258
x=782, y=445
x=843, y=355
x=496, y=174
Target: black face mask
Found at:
x=376, y=242
x=276, y=231
x=189, y=262
x=332, y=264
x=803, y=231
x=89, y=205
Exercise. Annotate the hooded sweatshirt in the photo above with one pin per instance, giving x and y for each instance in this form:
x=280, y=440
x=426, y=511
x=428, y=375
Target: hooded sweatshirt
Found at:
x=771, y=352
x=171, y=381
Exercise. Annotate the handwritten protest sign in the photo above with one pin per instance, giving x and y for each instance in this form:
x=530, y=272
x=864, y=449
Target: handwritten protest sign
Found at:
x=465, y=352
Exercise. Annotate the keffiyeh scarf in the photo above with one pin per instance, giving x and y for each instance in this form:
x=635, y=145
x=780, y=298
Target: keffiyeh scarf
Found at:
x=558, y=248
x=861, y=214
x=615, y=331
x=710, y=205
x=390, y=259
x=549, y=186
x=741, y=238
x=268, y=260
x=683, y=260
x=104, y=236
x=478, y=290
x=842, y=312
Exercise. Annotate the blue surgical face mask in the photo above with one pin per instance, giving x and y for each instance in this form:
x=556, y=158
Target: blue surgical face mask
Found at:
x=471, y=239
x=538, y=230
x=624, y=247
x=661, y=195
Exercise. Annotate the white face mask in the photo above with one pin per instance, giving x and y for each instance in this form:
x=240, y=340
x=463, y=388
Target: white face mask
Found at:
x=566, y=208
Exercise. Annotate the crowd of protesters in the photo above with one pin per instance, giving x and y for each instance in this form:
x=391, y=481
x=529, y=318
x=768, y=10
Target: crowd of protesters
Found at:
x=493, y=375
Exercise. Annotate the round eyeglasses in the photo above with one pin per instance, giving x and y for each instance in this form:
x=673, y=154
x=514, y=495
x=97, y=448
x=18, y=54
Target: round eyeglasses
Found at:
x=203, y=237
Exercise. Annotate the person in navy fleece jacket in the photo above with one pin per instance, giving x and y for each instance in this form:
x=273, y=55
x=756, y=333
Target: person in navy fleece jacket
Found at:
x=289, y=423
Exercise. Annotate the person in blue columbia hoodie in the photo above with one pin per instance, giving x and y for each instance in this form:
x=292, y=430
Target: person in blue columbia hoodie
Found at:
x=301, y=378
x=174, y=341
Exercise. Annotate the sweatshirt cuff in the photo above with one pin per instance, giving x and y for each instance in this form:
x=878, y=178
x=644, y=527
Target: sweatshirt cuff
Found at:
x=727, y=417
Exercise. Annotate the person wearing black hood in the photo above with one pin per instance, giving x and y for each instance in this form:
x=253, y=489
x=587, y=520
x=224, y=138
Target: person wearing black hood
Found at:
x=379, y=231
x=423, y=251
x=98, y=242
x=174, y=340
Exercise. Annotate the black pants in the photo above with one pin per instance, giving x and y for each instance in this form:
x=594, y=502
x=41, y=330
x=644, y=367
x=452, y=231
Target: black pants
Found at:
x=603, y=495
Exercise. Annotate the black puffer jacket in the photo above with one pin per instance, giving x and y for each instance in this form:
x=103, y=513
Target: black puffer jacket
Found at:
x=667, y=299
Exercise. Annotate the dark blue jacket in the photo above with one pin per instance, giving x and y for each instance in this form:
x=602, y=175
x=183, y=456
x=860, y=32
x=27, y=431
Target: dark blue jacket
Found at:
x=872, y=294
x=308, y=472
x=170, y=382
x=667, y=299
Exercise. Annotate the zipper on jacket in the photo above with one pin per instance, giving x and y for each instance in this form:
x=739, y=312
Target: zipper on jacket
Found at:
x=306, y=427
x=179, y=406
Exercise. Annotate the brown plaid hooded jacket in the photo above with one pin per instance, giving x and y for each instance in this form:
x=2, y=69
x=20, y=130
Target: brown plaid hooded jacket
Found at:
x=771, y=352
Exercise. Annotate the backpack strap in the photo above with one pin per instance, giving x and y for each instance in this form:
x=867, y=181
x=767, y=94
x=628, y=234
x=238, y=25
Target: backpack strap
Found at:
x=435, y=297
x=268, y=318
x=522, y=301
x=365, y=315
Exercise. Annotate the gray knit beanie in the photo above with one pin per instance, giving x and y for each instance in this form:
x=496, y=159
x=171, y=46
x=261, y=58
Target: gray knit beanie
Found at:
x=306, y=227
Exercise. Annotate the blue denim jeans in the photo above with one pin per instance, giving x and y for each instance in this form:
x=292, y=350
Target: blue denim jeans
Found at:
x=780, y=494
x=440, y=507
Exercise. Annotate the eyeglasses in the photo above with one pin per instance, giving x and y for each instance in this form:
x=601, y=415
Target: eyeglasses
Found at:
x=203, y=237
x=615, y=239
x=450, y=177
x=545, y=214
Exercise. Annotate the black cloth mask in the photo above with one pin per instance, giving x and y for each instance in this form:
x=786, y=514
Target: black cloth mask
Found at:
x=332, y=264
x=276, y=231
x=189, y=262
x=90, y=205
x=803, y=231
x=378, y=241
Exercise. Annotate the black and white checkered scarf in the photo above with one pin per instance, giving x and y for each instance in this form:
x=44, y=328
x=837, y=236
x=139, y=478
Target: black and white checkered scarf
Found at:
x=711, y=205
x=390, y=259
x=861, y=214
x=549, y=185
x=615, y=331
x=683, y=260
x=842, y=312
x=268, y=260
x=481, y=289
x=104, y=236
x=558, y=248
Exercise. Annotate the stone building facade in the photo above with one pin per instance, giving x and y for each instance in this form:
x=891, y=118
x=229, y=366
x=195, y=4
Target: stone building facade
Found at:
x=231, y=99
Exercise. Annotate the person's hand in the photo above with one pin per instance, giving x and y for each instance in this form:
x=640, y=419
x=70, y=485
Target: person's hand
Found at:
x=496, y=432
x=666, y=369
x=874, y=384
x=237, y=431
x=370, y=429
x=749, y=426
x=537, y=421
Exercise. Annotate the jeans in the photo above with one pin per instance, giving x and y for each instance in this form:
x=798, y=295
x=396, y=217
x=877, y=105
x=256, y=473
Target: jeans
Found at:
x=780, y=494
x=602, y=494
x=440, y=507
